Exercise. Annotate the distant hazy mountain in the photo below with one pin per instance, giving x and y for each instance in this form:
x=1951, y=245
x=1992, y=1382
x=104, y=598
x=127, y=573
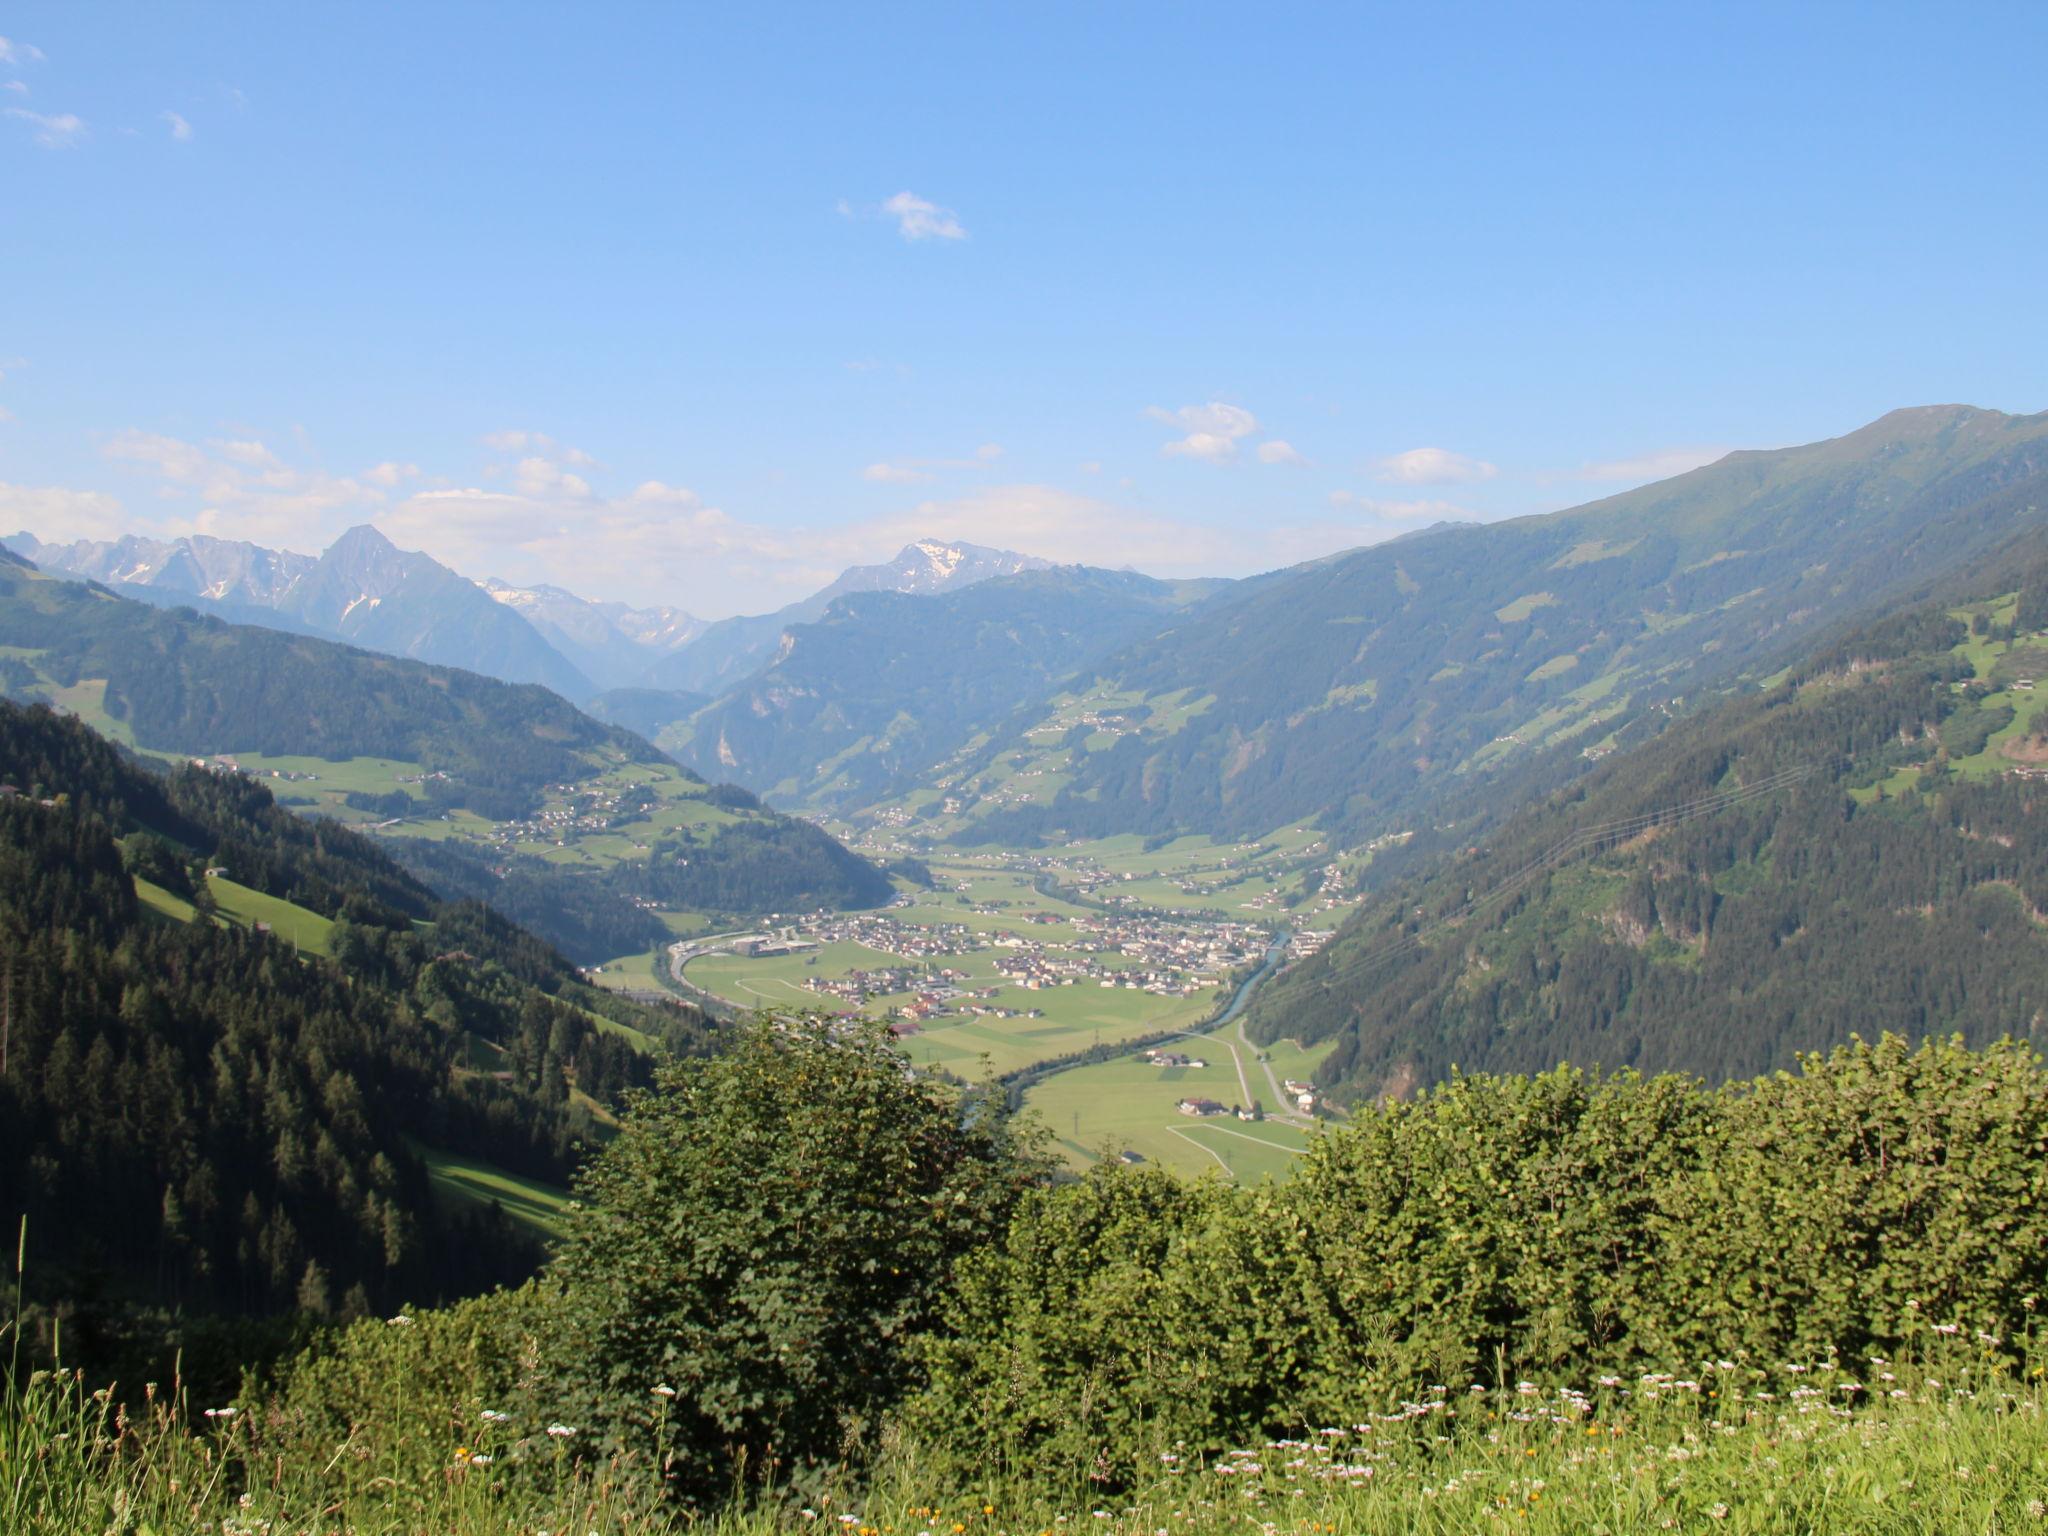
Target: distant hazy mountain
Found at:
x=1353, y=691
x=887, y=683
x=728, y=650
x=611, y=644
x=364, y=590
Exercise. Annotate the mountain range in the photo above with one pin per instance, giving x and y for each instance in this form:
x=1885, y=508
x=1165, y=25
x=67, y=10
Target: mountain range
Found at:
x=367, y=591
x=732, y=648
x=884, y=684
x=1353, y=692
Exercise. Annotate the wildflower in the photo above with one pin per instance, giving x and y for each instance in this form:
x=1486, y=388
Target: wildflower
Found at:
x=479, y=1459
x=664, y=1391
x=562, y=1431
x=1719, y=1511
x=492, y=1416
x=401, y=1321
x=220, y=1413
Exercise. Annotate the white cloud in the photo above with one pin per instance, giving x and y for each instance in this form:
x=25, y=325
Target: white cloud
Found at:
x=1276, y=450
x=895, y=474
x=1091, y=466
x=537, y=476
x=248, y=454
x=5, y=415
x=539, y=520
x=1433, y=466
x=1661, y=464
x=18, y=87
x=12, y=52
x=918, y=219
x=243, y=490
x=988, y=453
x=180, y=129
x=58, y=515
x=53, y=131
x=1212, y=430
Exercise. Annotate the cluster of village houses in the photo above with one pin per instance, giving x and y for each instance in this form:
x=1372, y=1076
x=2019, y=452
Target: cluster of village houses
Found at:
x=574, y=811
x=227, y=764
x=1302, y=1094
x=1148, y=955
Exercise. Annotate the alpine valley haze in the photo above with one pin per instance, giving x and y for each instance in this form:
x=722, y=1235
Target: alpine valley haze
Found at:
x=922, y=770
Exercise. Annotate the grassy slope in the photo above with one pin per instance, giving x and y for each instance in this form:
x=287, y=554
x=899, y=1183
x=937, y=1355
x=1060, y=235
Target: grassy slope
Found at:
x=1750, y=1451
x=471, y=1181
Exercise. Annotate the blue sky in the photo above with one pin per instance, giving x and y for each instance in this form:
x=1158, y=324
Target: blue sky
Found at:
x=697, y=305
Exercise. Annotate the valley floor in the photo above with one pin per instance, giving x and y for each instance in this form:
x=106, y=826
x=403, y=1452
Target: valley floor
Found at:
x=1016, y=959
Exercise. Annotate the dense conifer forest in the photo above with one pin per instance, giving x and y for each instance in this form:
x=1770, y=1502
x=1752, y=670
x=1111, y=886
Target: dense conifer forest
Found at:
x=196, y=1115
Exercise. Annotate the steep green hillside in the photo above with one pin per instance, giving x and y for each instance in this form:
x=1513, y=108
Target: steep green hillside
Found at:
x=594, y=833
x=1858, y=847
x=196, y=1113
x=1349, y=693
x=887, y=683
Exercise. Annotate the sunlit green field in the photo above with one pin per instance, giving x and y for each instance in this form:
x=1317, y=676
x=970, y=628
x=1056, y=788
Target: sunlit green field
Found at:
x=779, y=979
x=1076, y=1018
x=246, y=908
x=1109, y=1107
x=466, y=1180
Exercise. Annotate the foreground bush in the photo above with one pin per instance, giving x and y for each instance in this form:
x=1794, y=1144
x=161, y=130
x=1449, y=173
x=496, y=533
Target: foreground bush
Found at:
x=757, y=1250
x=1559, y=1227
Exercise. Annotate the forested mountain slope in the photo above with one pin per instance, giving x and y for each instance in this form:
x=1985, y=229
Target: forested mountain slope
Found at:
x=199, y=1112
x=1862, y=846
x=887, y=683
x=493, y=773
x=1351, y=692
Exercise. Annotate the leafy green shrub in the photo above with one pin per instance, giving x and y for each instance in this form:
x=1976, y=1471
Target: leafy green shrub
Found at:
x=766, y=1236
x=1560, y=1227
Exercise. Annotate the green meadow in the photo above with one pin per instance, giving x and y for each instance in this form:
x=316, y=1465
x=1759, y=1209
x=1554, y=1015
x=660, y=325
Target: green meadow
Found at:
x=470, y=1181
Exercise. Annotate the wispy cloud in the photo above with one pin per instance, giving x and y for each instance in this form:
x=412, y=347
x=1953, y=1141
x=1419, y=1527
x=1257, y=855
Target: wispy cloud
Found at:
x=895, y=474
x=919, y=471
x=1209, y=432
x=18, y=87
x=1277, y=450
x=1433, y=466
x=16, y=52
x=918, y=218
x=58, y=130
x=180, y=129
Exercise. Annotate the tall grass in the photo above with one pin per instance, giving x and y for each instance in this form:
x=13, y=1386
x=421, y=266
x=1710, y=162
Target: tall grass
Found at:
x=1958, y=1444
